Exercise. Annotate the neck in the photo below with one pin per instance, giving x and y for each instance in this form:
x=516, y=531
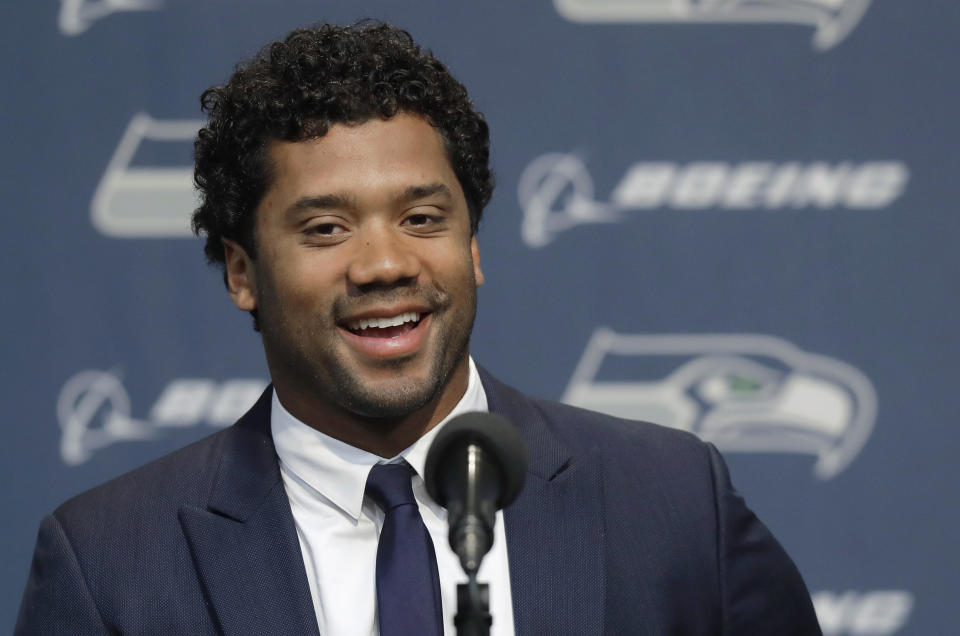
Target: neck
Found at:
x=384, y=437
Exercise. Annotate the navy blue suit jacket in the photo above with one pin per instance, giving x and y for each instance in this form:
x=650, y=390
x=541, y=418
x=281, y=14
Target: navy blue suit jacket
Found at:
x=621, y=528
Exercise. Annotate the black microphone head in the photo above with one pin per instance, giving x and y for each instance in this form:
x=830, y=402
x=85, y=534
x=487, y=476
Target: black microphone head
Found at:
x=496, y=436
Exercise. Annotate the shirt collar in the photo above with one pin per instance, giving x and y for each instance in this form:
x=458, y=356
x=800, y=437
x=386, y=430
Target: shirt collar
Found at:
x=338, y=471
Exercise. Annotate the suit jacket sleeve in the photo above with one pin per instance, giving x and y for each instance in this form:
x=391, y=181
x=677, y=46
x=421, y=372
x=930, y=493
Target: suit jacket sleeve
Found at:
x=761, y=590
x=57, y=600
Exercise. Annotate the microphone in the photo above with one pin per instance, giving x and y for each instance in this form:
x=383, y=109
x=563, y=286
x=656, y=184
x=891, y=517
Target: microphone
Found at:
x=475, y=466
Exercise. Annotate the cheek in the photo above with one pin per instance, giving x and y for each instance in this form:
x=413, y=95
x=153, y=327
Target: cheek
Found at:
x=464, y=275
x=299, y=283
x=454, y=262
x=310, y=291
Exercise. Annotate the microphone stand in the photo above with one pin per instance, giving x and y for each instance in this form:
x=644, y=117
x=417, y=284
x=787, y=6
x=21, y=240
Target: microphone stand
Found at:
x=471, y=537
x=473, y=608
x=475, y=466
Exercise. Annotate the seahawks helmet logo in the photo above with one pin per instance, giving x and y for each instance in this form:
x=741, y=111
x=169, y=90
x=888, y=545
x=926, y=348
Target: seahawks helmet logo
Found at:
x=744, y=393
x=832, y=20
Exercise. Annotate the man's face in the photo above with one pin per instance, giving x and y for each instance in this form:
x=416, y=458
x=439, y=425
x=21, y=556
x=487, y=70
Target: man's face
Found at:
x=366, y=272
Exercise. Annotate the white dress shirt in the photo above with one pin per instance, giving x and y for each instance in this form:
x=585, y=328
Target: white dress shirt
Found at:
x=338, y=527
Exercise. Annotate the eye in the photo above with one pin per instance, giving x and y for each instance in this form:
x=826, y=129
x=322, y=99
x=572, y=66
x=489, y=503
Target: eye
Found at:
x=326, y=229
x=424, y=222
x=323, y=233
x=420, y=219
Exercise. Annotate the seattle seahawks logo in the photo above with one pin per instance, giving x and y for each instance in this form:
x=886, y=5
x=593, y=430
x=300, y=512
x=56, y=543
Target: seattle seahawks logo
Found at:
x=832, y=20
x=138, y=197
x=748, y=393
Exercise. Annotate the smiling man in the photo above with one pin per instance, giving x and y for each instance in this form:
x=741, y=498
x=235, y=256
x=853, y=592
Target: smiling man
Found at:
x=364, y=281
x=343, y=175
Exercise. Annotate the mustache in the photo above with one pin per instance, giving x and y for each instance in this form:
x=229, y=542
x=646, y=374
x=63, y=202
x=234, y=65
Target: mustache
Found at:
x=430, y=296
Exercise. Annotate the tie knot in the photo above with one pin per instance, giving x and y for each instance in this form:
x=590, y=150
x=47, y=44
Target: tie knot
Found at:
x=389, y=485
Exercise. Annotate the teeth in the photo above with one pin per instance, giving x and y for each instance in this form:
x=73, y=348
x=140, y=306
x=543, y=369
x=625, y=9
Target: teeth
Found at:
x=383, y=323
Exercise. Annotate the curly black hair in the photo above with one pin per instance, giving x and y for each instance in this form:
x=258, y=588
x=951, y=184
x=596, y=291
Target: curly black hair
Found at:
x=296, y=89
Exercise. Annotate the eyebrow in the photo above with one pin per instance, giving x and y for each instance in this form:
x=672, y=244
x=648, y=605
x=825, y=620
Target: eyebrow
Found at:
x=414, y=193
x=339, y=201
x=321, y=202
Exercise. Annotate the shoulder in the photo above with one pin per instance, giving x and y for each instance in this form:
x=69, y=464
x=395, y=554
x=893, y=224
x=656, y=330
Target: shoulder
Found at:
x=670, y=492
x=637, y=459
x=584, y=430
x=636, y=456
x=120, y=536
x=183, y=476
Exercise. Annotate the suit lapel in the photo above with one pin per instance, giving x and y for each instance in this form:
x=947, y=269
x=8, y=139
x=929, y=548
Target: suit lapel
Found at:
x=246, y=551
x=555, y=535
x=244, y=543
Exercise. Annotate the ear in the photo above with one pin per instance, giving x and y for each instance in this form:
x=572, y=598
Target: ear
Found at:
x=241, y=279
x=475, y=254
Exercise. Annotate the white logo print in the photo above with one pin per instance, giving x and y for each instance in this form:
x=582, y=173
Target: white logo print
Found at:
x=556, y=190
x=556, y=194
x=84, y=397
x=150, y=201
x=94, y=410
x=832, y=19
x=862, y=612
x=744, y=393
x=76, y=16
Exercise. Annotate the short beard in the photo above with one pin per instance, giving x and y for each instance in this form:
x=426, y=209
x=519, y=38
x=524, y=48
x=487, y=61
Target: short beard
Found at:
x=336, y=385
x=395, y=404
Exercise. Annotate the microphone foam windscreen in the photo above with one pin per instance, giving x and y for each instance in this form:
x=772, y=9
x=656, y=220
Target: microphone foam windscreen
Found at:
x=499, y=439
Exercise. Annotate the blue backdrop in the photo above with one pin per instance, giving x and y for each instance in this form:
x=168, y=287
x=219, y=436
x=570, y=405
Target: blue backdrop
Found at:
x=736, y=217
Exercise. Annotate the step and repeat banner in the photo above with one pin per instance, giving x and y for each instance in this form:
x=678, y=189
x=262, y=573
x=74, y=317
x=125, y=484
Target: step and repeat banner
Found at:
x=734, y=217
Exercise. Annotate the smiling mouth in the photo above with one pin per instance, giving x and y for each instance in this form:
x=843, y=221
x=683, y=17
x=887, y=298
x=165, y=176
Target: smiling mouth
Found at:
x=388, y=327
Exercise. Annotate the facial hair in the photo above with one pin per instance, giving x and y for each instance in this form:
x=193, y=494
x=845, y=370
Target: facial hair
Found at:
x=453, y=344
x=313, y=362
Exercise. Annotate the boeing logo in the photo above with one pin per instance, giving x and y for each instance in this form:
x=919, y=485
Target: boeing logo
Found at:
x=556, y=191
x=134, y=201
x=76, y=16
x=94, y=410
x=863, y=612
x=744, y=393
x=833, y=20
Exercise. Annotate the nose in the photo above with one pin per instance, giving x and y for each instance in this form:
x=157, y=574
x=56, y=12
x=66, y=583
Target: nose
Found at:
x=383, y=256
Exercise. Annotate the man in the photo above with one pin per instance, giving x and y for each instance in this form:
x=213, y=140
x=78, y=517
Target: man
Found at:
x=344, y=173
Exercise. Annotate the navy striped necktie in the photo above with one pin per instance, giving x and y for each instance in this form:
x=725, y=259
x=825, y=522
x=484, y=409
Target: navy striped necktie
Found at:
x=408, y=582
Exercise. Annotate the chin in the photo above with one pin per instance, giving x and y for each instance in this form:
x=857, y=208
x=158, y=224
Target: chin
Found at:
x=390, y=404
x=401, y=394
